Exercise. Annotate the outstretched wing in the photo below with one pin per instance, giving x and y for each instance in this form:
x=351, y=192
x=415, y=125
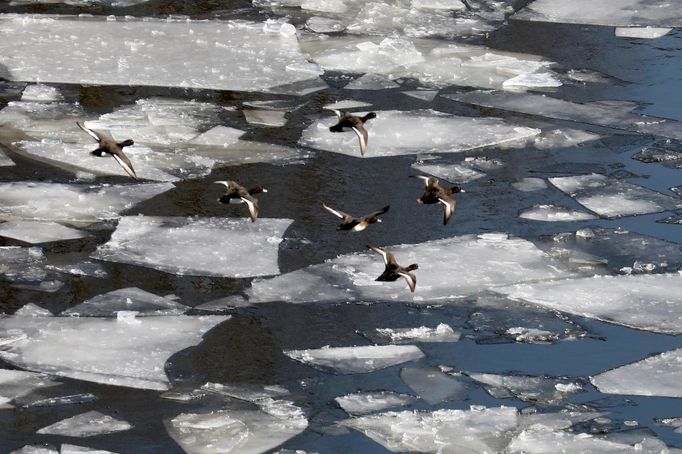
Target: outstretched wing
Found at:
x=252, y=202
x=449, y=208
x=378, y=212
x=337, y=112
x=411, y=280
x=90, y=132
x=124, y=162
x=427, y=180
x=389, y=259
x=363, y=137
x=337, y=213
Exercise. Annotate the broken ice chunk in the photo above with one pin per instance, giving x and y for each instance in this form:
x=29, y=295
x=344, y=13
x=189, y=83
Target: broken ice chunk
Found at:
x=533, y=80
x=356, y=360
x=649, y=302
x=454, y=173
x=5, y=161
x=371, y=82
x=362, y=403
x=563, y=138
x=197, y=246
x=19, y=264
x=324, y=25
x=441, y=333
x=73, y=449
x=41, y=93
x=449, y=5
x=346, y=104
x=424, y=95
x=530, y=184
x=72, y=202
x=16, y=383
x=126, y=299
x=58, y=401
x=642, y=32
x=271, y=118
x=553, y=213
x=434, y=386
x=667, y=152
x=86, y=425
x=541, y=390
x=392, y=133
x=612, y=198
x=38, y=232
x=327, y=6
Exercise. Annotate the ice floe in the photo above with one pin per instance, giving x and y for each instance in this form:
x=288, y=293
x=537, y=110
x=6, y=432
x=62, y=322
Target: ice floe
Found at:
x=41, y=93
x=5, y=161
x=434, y=386
x=238, y=51
x=39, y=232
x=356, y=360
x=441, y=333
x=612, y=198
x=262, y=117
x=394, y=133
x=649, y=302
x=479, y=262
x=609, y=12
x=74, y=449
x=563, y=138
x=539, y=390
x=530, y=184
x=642, y=32
x=87, y=424
x=17, y=383
x=124, y=351
x=553, y=213
x=197, y=246
x=71, y=399
x=532, y=80
x=126, y=299
x=372, y=82
x=424, y=95
x=362, y=403
x=324, y=25
x=666, y=152
x=454, y=173
x=26, y=268
x=71, y=202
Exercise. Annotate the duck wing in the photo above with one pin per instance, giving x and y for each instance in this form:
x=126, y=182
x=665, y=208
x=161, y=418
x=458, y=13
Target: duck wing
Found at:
x=254, y=207
x=363, y=137
x=337, y=213
x=94, y=134
x=410, y=278
x=449, y=205
x=389, y=259
x=124, y=162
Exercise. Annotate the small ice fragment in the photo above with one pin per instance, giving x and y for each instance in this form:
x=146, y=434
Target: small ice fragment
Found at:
x=87, y=424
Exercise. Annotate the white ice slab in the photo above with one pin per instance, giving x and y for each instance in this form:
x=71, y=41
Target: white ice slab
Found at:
x=71, y=202
x=434, y=386
x=17, y=383
x=607, y=12
x=38, y=232
x=553, y=213
x=73, y=449
x=41, y=93
x=542, y=390
x=362, y=403
x=475, y=263
x=32, y=449
x=371, y=82
x=612, y=198
x=659, y=375
x=272, y=118
x=424, y=95
x=530, y=184
x=642, y=32
x=346, y=104
x=449, y=5
x=356, y=360
x=563, y=138
x=454, y=173
x=597, y=113
x=325, y=25
x=441, y=333
x=218, y=136
x=121, y=352
x=70, y=399
x=22, y=264
x=197, y=246
x=327, y=6
x=650, y=302
x=242, y=56
x=533, y=80
x=394, y=133
x=127, y=299
x=5, y=160
x=87, y=424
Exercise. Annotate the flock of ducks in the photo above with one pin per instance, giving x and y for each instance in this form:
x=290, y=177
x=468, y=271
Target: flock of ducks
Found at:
x=236, y=193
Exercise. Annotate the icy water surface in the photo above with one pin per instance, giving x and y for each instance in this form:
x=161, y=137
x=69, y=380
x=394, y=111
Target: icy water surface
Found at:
x=146, y=317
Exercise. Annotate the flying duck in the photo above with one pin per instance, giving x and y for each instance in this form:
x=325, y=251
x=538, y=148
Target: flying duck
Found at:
x=393, y=271
x=350, y=222
x=357, y=124
x=435, y=193
x=109, y=146
x=237, y=193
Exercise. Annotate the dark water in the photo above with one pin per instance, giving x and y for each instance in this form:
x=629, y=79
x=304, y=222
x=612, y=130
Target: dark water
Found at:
x=247, y=349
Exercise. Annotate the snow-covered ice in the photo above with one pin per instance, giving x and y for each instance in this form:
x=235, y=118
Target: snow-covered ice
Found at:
x=122, y=352
x=72, y=202
x=435, y=386
x=649, y=302
x=126, y=299
x=613, y=198
x=87, y=424
x=356, y=360
x=642, y=32
x=540, y=390
x=477, y=262
x=553, y=213
x=362, y=403
x=17, y=383
x=441, y=333
x=666, y=152
x=34, y=232
x=394, y=133
x=237, y=51
x=197, y=246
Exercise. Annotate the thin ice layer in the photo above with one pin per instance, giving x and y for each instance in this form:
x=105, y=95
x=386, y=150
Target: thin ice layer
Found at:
x=5, y=161
x=454, y=173
x=642, y=32
x=659, y=375
x=394, y=133
x=87, y=424
x=596, y=113
x=17, y=383
x=475, y=263
x=650, y=302
x=39, y=232
x=362, y=403
x=123, y=352
x=623, y=13
x=434, y=386
x=553, y=213
x=197, y=246
x=21, y=264
x=236, y=51
x=613, y=198
x=356, y=360
x=127, y=299
x=540, y=390
x=441, y=333
x=71, y=202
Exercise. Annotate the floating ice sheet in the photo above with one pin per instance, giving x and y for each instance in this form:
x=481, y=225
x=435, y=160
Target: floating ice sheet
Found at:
x=73, y=449
x=642, y=32
x=454, y=173
x=41, y=93
x=238, y=51
x=553, y=213
x=38, y=401
x=71, y=202
x=362, y=403
x=667, y=152
x=20, y=264
x=356, y=360
x=424, y=95
x=612, y=198
x=608, y=12
x=541, y=390
x=597, y=113
x=270, y=118
x=530, y=184
x=5, y=161
x=563, y=138
x=87, y=424
x=127, y=299
x=649, y=302
x=479, y=262
x=394, y=133
x=346, y=104
x=16, y=383
x=533, y=80
x=434, y=386
x=38, y=232
x=372, y=82
x=441, y=333
x=324, y=25
x=123, y=352
x=197, y=246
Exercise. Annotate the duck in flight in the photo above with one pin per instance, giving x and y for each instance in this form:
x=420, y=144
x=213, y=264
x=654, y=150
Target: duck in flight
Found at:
x=350, y=222
x=357, y=124
x=237, y=193
x=109, y=146
x=393, y=271
x=435, y=193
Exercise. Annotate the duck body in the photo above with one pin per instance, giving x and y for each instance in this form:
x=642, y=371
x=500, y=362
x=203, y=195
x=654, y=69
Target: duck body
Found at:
x=355, y=224
x=237, y=193
x=393, y=271
x=356, y=124
x=435, y=193
x=108, y=146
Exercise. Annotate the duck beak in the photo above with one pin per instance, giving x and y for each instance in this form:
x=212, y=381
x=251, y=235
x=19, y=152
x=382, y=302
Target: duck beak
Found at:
x=265, y=190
